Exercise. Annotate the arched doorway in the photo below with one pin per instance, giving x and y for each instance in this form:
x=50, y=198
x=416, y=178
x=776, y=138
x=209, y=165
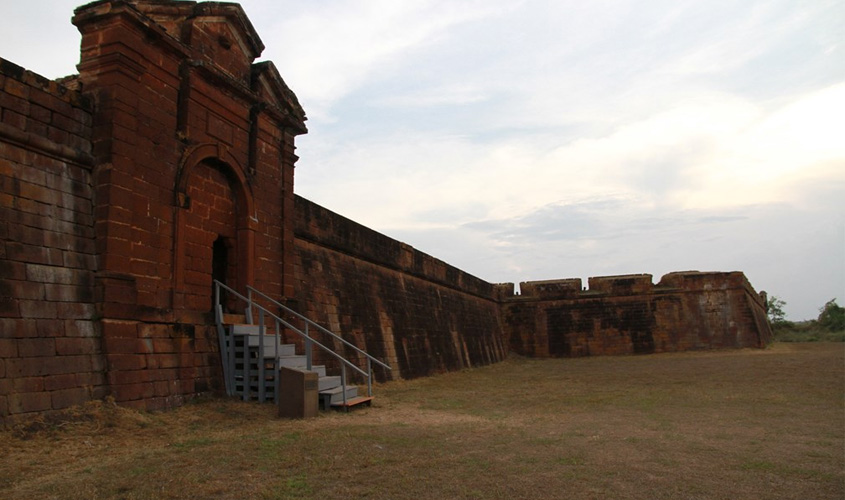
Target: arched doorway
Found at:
x=214, y=233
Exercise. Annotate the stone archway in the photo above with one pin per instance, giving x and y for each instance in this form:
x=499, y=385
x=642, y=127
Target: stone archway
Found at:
x=215, y=212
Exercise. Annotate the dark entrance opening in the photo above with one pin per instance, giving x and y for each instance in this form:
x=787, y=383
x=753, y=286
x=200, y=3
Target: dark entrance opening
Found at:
x=219, y=268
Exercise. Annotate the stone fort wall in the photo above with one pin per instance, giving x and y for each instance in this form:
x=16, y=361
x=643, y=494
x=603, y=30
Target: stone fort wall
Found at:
x=417, y=313
x=169, y=162
x=630, y=315
x=50, y=350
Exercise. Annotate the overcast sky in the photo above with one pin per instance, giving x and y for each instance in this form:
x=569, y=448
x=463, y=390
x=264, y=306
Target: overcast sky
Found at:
x=531, y=140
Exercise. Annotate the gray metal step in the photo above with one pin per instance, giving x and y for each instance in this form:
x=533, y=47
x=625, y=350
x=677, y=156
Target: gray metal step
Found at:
x=319, y=369
x=335, y=395
x=252, y=332
x=292, y=361
x=326, y=383
x=270, y=350
x=243, y=329
x=269, y=341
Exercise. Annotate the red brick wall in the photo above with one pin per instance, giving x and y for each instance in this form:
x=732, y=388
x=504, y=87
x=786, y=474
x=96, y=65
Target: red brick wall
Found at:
x=114, y=195
x=50, y=356
x=192, y=142
x=629, y=315
x=415, y=312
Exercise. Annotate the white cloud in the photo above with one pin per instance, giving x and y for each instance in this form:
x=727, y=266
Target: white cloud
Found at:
x=714, y=151
x=761, y=162
x=807, y=131
x=341, y=44
x=454, y=94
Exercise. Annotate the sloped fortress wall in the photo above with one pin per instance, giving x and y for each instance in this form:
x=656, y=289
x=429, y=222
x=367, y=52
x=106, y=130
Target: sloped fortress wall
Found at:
x=50, y=355
x=629, y=315
x=419, y=314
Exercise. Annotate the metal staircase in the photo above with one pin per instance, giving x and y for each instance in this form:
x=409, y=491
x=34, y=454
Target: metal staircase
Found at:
x=252, y=352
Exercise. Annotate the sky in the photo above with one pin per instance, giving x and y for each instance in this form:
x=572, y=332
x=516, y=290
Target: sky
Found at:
x=534, y=140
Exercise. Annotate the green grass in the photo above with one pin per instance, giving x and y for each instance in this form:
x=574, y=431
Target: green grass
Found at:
x=755, y=424
x=805, y=331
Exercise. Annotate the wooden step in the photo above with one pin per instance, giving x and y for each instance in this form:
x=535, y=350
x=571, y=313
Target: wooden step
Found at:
x=357, y=400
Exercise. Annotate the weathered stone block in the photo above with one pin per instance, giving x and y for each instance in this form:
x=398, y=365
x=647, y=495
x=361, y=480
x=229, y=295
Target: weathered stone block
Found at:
x=117, y=328
x=27, y=384
x=65, y=398
x=63, y=381
x=26, y=402
x=35, y=309
x=36, y=347
x=76, y=345
x=117, y=362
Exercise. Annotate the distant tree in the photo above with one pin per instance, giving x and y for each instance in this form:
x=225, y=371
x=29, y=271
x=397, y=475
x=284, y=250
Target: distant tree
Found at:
x=774, y=309
x=832, y=316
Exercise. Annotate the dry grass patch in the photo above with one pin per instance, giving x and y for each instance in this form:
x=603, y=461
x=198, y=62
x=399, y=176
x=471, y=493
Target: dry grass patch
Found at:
x=736, y=424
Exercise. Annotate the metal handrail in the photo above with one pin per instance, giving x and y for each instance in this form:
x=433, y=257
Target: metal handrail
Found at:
x=304, y=334
x=317, y=325
x=295, y=329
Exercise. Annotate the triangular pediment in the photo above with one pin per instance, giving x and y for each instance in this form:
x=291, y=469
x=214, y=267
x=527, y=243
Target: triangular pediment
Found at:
x=219, y=32
x=269, y=85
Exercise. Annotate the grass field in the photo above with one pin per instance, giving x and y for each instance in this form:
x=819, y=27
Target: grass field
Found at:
x=805, y=331
x=752, y=424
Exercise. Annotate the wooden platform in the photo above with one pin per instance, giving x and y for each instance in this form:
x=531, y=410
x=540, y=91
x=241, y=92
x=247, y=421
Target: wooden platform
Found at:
x=358, y=400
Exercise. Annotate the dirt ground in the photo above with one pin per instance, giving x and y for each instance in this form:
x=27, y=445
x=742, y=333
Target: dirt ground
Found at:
x=750, y=424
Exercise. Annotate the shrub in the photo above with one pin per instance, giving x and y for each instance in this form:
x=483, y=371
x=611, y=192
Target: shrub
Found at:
x=774, y=310
x=805, y=331
x=832, y=316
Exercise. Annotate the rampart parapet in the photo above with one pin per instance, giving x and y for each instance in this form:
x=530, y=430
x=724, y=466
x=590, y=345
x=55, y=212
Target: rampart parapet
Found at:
x=628, y=314
x=549, y=289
